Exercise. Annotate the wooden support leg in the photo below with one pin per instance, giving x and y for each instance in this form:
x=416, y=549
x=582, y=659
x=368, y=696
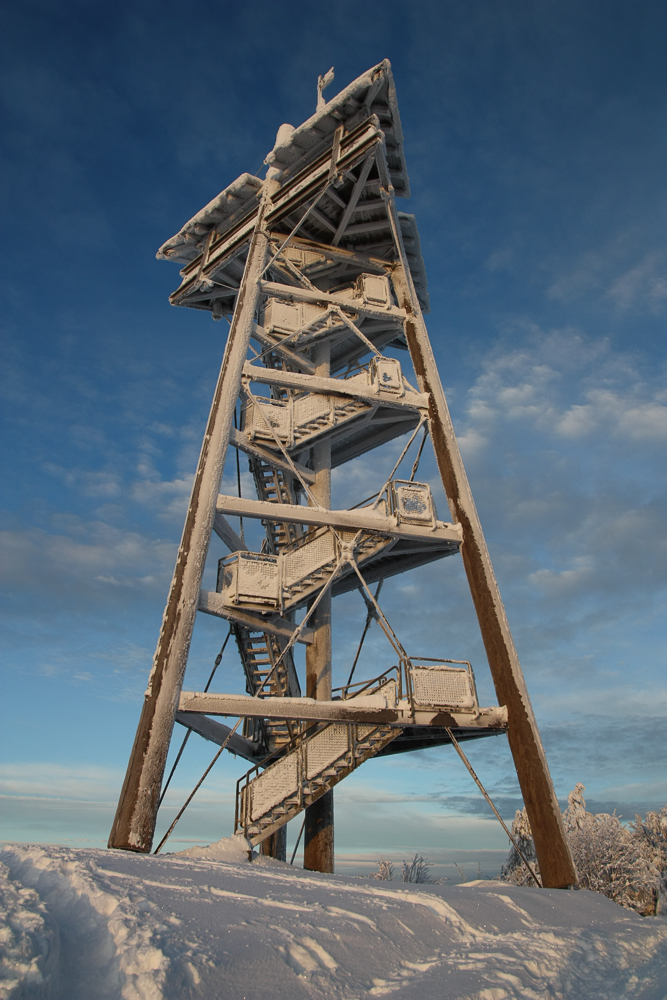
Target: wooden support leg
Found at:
x=553, y=853
x=275, y=846
x=318, y=852
x=134, y=825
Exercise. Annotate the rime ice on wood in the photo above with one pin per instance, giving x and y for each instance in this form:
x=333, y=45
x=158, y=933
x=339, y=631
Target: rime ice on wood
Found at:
x=323, y=283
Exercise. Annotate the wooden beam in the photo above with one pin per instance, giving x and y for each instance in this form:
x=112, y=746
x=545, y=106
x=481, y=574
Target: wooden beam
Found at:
x=218, y=733
x=371, y=709
x=226, y=533
x=354, y=197
x=338, y=386
x=293, y=294
x=553, y=853
x=314, y=213
x=360, y=519
x=260, y=334
x=368, y=227
x=241, y=441
x=212, y=603
x=134, y=823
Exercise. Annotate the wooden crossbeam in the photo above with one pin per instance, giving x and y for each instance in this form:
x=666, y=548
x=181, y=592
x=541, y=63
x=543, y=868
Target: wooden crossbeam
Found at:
x=260, y=334
x=218, y=733
x=371, y=709
x=240, y=440
x=212, y=603
x=337, y=386
x=359, y=519
x=226, y=533
x=291, y=293
x=354, y=198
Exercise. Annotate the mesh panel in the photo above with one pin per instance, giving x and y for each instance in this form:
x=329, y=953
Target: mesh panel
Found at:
x=258, y=577
x=274, y=785
x=414, y=503
x=275, y=413
x=308, y=557
x=442, y=686
x=324, y=748
x=310, y=407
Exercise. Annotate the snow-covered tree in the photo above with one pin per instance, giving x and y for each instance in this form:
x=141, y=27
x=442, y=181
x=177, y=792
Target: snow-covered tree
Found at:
x=514, y=870
x=575, y=815
x=628, y=865
x=651, y=834
x=417, y=870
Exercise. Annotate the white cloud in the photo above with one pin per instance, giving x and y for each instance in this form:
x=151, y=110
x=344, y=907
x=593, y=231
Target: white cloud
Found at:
x=563, y=386
x=168, y=498
x=616, y=414
x=564, y=580
x=643, y=284
x=84, y=554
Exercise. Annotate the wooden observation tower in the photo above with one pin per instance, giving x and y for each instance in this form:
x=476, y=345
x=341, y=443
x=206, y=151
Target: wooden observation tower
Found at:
x=322, y=281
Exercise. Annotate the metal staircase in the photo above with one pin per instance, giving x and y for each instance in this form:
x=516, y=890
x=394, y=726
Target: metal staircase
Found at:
x=275, y=487
x=316, y=761
x=260, y=652
x=320, y=755
x=288, y=580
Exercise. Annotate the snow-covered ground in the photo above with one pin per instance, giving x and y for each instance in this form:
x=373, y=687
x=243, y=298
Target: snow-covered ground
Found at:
x=95, y=925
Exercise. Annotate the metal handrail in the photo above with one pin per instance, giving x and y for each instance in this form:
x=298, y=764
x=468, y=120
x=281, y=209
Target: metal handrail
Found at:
x=407, y=665
x=363, y=685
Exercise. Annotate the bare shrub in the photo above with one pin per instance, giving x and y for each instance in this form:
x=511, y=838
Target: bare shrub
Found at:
x=385, y=872
x=419, y=871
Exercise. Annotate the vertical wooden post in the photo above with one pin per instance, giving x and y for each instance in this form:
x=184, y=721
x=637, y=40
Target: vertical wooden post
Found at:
x=275, y=846
x=318, y=852
x=553, y=852
x=134, y=825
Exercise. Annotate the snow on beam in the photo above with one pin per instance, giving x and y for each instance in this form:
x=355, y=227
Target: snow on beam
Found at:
x=373, y=709
x=358, y=519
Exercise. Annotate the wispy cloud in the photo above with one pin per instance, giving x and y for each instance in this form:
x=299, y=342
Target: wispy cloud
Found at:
x=82, y=555
x=623, y=276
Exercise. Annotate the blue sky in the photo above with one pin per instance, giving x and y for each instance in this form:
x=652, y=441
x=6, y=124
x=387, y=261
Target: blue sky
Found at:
x=536, y=143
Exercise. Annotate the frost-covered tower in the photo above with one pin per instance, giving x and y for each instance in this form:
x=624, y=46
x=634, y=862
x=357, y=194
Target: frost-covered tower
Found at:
x=322, y=281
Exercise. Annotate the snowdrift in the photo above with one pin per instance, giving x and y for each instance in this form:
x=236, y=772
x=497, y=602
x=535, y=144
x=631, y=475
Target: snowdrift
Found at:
x=104, y=925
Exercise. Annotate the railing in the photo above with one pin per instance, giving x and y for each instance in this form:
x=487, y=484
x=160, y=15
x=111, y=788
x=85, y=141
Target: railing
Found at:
x=363, y=686
x=412, y=682
x=422, y=693
x=304, y=772
x=423, y=681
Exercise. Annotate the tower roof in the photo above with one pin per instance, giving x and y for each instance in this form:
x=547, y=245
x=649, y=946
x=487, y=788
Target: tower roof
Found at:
x=371, y=94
